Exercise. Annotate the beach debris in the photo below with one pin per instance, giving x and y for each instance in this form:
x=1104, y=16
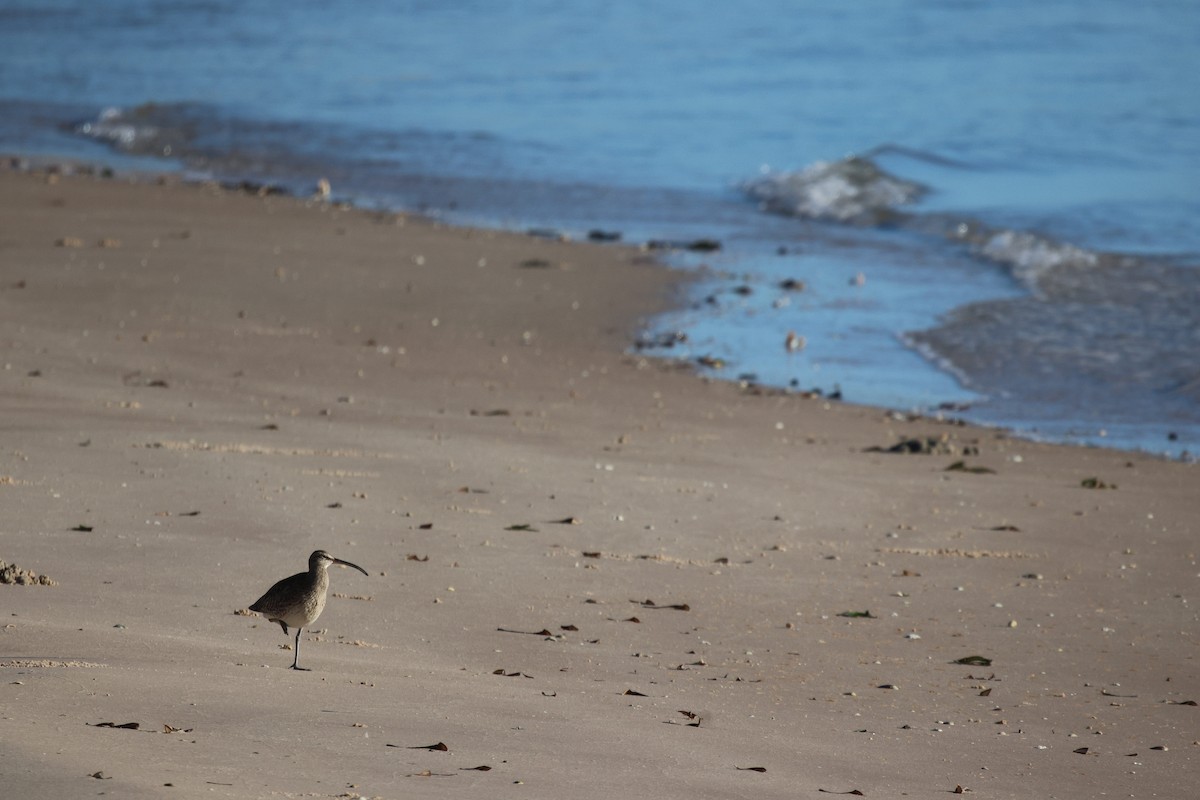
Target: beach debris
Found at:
x=928, y=445
x=1083, y=751
x=793, y=343
x=712, y=362
x=973, y=661
x=132, y=726
x=792, y=285
x=854, y=792
x=81, y=528
x=750, y=769
x=440, y=746
x=654, y=605
x=69, y=241
x=13, y=575
x=495, y=412
x=415, y=557
x=695, y=718
x=660, y=341
x=522, y=526
x=535, y=263
x=961, y=466
x=548, y=233
x=597, y=235
x=857, y=614
x=567, y=521
x=694, y=245
x=503, y=674
x=1096, y=483
x=137, y=378
x=254, y=187
x=1012, y=528
x=107, y=243
x=542, y=632
x=100, y=776
x=1182, y=703
x=480, y=768
x=634, y=693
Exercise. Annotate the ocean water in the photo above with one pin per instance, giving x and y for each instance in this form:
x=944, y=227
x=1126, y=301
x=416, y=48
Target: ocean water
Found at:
x=987, y=210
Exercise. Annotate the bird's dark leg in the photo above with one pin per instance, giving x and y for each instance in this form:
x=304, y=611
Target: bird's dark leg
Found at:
x=296, y=660
x=283, y=625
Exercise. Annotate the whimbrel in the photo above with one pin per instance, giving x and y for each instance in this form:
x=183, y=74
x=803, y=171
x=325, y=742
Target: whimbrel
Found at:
x=300, y=599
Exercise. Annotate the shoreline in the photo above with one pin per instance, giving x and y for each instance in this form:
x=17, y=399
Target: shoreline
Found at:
x=203, y=386
x=652, y=249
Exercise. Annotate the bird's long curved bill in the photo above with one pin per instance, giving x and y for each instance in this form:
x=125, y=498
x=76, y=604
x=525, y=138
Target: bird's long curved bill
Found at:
x=348, y=564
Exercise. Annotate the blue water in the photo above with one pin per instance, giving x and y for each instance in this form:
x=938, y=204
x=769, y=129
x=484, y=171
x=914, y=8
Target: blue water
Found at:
x=991, y=206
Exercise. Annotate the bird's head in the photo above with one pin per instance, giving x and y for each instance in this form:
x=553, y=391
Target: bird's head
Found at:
x=321, y=560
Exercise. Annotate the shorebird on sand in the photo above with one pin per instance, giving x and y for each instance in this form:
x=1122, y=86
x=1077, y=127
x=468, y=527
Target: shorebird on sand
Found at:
x=300, y=599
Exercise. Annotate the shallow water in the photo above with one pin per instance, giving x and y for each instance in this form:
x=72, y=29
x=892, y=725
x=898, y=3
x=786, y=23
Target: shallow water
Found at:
x=1016, y=236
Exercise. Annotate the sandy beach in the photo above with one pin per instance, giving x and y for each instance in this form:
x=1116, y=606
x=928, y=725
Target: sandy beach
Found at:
x=591, y=574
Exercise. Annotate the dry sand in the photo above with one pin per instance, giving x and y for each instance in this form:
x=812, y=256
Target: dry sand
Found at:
x=198, y=387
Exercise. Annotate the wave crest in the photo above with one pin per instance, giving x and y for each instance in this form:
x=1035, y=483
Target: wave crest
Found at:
x=148, y=129
x=853, y=190
x=1029, y=257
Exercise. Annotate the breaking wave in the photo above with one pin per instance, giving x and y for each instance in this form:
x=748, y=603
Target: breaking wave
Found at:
x=1097, y=333
x=854, y=190
x=150, y=130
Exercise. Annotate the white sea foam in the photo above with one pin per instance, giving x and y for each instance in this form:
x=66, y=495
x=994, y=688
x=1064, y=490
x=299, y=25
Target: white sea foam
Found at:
x=853, y=189
x=113, y=127
x=1029, y=256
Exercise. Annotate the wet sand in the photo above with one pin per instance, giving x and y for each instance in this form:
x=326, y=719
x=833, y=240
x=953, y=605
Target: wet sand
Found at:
x=576, y=554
